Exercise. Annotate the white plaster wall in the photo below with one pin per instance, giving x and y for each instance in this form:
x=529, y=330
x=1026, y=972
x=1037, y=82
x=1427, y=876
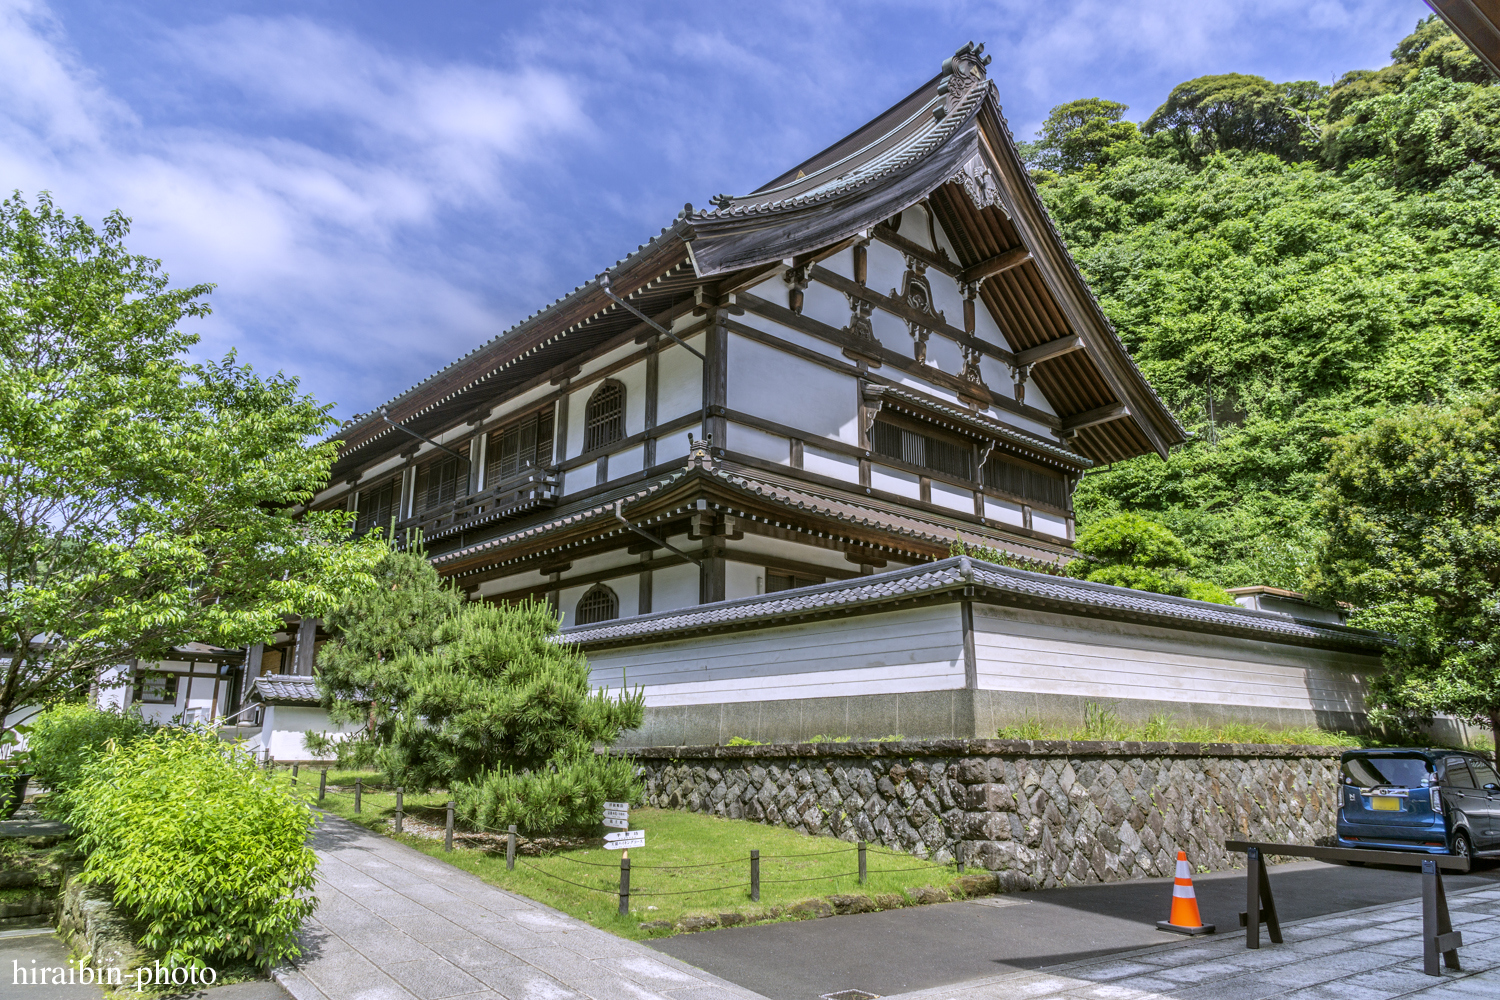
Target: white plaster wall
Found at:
x=506, y=584
x=777, y=386
x=952, y=496
x=811, y=343
x=758, y=443
x=1046, y=653
x=773, y=289
x=605, y=561
x=945, y=244
x=629, y=590
x=521, y=402
x=985, y=327
x=634, y=380
x=841, y=263
x=382, y=470
x=886, y=265
x=893, y=652
x=795, y=551
x=679, y=382
x=830, y=464
x=628, y=462
x=914, y=226
x=826, y=305
x=674, y=446
x=922, y=385
x=567, y=602
x=891, y=331
x=948, y=298
x=608, y=358
x=675, y=586
x=1003, y=511
x=742, y=580
x=580, y=478
x=895, y=481
x=284, y=727
x=1049, y=523
x=944, y=354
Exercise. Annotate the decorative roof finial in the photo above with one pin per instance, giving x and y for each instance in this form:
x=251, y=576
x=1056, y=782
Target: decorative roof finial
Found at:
x=962, y=72
x=722, y=200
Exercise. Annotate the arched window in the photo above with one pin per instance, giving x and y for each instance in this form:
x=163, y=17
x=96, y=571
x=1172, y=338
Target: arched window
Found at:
x=604, y=417
x=599, y=604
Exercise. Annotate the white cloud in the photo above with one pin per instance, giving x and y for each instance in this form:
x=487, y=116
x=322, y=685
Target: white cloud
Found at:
x=328, y=251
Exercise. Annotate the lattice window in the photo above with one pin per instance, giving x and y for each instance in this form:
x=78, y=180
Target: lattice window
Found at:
x=604, y=417
x=1025, y=482
x=777, y=581
x=519, y=447
x=442, y=481
x=922, y=450
x=377, y=505
x=599, y=604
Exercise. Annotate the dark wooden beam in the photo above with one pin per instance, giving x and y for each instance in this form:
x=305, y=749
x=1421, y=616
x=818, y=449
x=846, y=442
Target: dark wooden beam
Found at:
x=1000, y=262
x=1052, y=349
x=1100, y=415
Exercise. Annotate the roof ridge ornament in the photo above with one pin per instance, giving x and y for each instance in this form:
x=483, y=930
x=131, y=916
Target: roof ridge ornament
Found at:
x=962, y=72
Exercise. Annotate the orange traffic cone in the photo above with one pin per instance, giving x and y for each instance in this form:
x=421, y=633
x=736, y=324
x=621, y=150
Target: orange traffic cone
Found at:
x=1185, y=918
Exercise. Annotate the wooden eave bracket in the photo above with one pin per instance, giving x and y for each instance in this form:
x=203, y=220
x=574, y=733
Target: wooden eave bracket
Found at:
x=995, y=265
x=1050, y=350
x=1091, y=418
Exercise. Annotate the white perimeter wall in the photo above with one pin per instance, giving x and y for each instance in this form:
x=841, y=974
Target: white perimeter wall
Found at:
x=1043, y=653
x=892, y=653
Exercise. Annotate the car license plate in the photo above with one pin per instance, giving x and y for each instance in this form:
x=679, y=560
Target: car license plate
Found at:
x=1385, y=803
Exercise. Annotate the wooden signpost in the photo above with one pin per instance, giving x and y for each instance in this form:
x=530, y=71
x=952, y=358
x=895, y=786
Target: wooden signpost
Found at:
x=617, y=815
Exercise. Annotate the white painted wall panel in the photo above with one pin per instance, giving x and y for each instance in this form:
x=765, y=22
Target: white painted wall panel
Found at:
x=830, y=464
x=1049, y=523
x=913, y=226
x=952, y=496
x=944, y=243
x=944, y=354
x=985, y=327
x=1003, y=511
x=584, y=477
x=674, y=446
x=912, y=650
x=811, y=343
x=796, y=551
x=634, y=380
x=679, y=387
x=1054, y=654
x=742, y=580
x=628, y=462
x=676, y=586
x=841, y=263
x=761, y=444
x=826, y=305
x=609, y=358
x=522, y=401
x=946, y=297
x=891, y=331
x=777, y=386
x=895, y=481
x=629, y=590
x=922, y=385
x=886, y=265
x=506, y=584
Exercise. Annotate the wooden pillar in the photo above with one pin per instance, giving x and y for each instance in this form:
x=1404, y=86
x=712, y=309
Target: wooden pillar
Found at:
x=478, y=458
x=643, y=602
x=560, y=434
x=302, y=653
x=653, y=374
x=716, y=378
x=711, y=574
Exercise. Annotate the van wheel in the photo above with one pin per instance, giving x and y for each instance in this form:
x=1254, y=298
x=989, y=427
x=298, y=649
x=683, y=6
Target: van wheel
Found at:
x=1461, y=848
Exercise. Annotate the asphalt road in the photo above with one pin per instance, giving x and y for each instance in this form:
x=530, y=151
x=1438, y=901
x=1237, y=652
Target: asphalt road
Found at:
x=938, y=945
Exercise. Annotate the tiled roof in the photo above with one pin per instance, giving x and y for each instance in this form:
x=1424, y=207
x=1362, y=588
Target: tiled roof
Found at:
x=980, y=424
x=1056, y=593
x=932, y=529
x=286, y=689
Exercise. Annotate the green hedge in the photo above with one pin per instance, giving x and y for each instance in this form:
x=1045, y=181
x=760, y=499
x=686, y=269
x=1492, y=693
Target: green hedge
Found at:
x=64, y=737
x=571, y=798
x=200, y=845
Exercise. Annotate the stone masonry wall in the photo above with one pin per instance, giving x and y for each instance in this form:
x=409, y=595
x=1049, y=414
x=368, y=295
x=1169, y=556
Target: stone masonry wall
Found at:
x=1038, y=814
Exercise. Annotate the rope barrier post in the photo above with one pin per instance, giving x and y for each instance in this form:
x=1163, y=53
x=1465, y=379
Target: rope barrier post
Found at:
x=510, y=849
x=958, y=854
x=755, y=876
x=448, y=834
x=359, y=787
x=399, y=790
x=323, y=784
x=624, y=884
x=294, y=767
x=862, y=872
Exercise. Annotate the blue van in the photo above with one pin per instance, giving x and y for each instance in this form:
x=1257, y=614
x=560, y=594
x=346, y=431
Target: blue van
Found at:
x=1436, y=801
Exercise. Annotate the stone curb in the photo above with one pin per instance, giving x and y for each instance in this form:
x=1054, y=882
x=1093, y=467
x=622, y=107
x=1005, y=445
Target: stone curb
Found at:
x=964, y=748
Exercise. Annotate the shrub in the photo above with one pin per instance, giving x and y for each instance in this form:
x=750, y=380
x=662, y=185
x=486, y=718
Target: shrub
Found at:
x=65, y=737
x=198, y=844
x=570, y=798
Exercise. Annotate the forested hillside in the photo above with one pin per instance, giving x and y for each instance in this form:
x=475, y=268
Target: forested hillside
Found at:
x=1287, y=262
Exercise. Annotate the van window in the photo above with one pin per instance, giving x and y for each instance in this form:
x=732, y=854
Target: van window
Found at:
x=1483, y=773
x=1458, y=773
x=1376, y=772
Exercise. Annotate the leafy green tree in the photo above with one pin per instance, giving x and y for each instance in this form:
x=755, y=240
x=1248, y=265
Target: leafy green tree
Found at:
x=1128, y=550
x=498, y=690
x=144, y=501
x=360, y=676
x=1412, y=508
x=1214, y=114
x=1434, y=46
x=1077, y=134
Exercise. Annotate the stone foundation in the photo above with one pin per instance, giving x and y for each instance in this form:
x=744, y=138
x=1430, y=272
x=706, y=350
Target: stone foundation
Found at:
x=1038, y=814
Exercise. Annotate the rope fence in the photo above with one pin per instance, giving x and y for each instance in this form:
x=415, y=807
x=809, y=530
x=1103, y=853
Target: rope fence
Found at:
x=624, y=890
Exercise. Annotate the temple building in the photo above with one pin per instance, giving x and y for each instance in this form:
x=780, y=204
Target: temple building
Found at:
x=737, y=462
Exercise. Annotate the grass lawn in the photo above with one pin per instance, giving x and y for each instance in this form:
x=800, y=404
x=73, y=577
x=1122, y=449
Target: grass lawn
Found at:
x=693, y=866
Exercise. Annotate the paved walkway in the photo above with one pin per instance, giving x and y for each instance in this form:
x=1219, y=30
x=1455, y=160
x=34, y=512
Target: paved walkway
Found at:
x=1370, y=954
x=394, y=924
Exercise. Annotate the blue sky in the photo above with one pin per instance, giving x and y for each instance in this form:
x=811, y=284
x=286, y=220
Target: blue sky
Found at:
x=378, y=187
